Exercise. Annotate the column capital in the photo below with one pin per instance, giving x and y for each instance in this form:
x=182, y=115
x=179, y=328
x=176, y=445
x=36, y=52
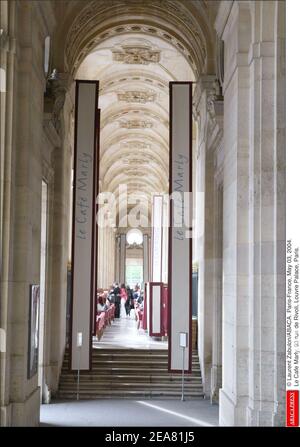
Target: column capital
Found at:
x=58, y=85
x=209, y=86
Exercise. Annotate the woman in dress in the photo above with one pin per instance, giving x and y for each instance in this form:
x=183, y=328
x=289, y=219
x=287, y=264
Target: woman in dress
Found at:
x=123, y=301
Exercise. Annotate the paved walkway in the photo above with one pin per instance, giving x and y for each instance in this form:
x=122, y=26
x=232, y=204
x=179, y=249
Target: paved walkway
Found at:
x=123, y=333
x=131, y=413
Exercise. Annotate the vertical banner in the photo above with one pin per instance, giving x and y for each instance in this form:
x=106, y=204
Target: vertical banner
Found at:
x=145, y=258
x=95, y=246
x=147, y=297
x=155, y=309
x=84, y=217
x=165, y=219
x=180, y=240
x=157, y=233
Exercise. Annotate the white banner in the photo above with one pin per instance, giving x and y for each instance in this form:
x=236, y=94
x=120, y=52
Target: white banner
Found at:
x=84, y=215
x=155, y=308
x=145, y=258
x=157, y=234
x=180, y=241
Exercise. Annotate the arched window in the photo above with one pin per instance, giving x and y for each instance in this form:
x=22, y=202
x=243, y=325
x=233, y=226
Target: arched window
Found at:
x=134, y=237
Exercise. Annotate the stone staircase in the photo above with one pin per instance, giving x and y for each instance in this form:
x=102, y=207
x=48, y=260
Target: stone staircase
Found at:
x=130, y=374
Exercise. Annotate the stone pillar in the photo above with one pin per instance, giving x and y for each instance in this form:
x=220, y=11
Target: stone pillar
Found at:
x=7, y=130
x=108, y=262
x=254, y=232
x=145, y=258
x=117, y=258
x=233, y=397
x=216, y=369
x=104, y=256
x=122, y=258
x=209, y=134
x=100, y=258
x=61, y=108
x=267, y=228
x=112, y=257
x=27, y=28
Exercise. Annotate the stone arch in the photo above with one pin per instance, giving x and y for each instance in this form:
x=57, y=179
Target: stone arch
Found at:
x=186, y=26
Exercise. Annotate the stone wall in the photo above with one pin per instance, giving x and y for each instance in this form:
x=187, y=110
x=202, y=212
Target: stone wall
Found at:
x=253, y=231
x=32, y=149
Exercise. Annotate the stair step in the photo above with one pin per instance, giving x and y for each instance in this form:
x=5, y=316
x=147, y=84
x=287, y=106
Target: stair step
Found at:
x=124, y=385
x=154, y=379
x=129, y=374
x=116, y=367
x=128, y=394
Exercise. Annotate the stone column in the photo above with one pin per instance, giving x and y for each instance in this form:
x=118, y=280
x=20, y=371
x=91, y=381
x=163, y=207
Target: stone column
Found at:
x=267, y=227
x=51, y=140
x=208, y=140
x=100, y=257
x=122, y=258
x=236, y=293
x=104, y=256
x=22, y=203
x=216, y=369
x=254, y=231
x=145, y=258
x=61, y=107
x=117, y=258
x=8, y=63
x=113, y=263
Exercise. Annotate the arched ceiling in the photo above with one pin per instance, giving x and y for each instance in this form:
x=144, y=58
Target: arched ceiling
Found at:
x=134, y=48
x=134, y=72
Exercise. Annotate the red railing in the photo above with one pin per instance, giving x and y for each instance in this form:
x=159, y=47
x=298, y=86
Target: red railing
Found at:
x=104, y=319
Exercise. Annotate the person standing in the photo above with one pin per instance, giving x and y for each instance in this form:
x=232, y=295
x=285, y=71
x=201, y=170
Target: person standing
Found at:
x=128, y=301
x=117, y=299
x=123, y=301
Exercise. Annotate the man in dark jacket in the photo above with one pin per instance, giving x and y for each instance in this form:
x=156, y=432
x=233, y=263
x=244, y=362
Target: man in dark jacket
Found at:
x=117, y=296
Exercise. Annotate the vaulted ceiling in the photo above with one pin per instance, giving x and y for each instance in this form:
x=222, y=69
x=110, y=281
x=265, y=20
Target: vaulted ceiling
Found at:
x=134, y=72
x=134, y=48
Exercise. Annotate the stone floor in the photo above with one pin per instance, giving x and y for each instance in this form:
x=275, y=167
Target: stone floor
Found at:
x=123, y=333
x=122, y=413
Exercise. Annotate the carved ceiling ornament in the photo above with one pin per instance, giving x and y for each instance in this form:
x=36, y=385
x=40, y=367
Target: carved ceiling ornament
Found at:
x=136, y=124
x=191, y=41
x=141, y=97
x=112, y=116
x=137, y=54
x=110, y=83
x=137, y=161
x=109, y=164
x=135, y=145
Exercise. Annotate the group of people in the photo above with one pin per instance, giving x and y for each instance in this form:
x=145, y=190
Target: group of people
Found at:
x=125, y=299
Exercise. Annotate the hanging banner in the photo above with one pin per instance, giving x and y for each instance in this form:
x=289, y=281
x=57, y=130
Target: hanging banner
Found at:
x=180, y=240
x=155, y=309
x=95, y=246
x=157, y=234
x=145, y=258
x=84, y=217
x=165, y=230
